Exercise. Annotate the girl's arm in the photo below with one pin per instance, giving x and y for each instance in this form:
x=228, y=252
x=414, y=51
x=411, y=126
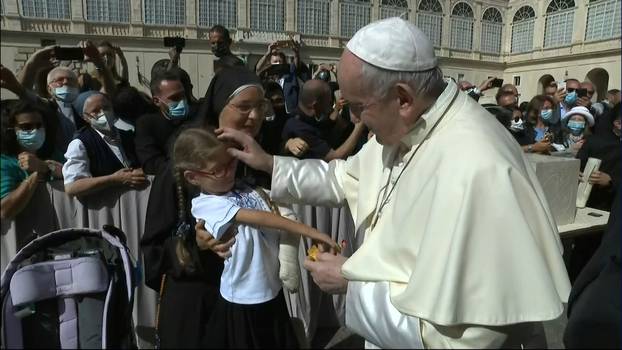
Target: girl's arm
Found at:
x=271, y=220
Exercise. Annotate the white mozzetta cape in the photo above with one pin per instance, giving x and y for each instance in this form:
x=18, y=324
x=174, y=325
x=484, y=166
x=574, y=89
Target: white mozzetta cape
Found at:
x=466, y=237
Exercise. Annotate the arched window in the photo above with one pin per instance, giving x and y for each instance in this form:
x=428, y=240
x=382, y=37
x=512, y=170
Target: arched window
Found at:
x=462, y=27
x=223, y=12
x=165, y=12
x=355, y=14
x=116, y=11
x=53, y=9
x=268, y=15
x=491, y=30
x=522, y=29
x=430, y=20
x=603, y=20
x=394, y=8
x=559, y=23
x=314, y=16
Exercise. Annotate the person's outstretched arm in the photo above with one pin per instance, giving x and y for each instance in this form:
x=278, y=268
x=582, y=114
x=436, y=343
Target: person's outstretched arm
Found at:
x=271, y=220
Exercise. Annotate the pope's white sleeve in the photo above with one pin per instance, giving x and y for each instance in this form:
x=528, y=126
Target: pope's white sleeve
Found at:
x=370, y=314
x=309, y=181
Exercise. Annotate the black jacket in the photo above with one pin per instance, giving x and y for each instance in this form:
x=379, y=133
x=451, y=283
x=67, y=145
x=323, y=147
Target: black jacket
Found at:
x=606, y=148
x=594, y=305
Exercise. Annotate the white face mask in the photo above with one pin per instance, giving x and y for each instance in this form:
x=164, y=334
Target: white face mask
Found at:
x=517, y=125
x=104, y=121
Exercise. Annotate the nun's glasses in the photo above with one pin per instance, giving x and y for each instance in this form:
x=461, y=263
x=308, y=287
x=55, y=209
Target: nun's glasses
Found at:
x=263, y=108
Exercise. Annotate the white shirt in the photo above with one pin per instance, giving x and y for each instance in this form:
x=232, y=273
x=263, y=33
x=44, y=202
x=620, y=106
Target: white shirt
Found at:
x=77, y=165
x=251, y=273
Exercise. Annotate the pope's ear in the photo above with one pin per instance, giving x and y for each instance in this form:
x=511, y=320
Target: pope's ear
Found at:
x=406, y=95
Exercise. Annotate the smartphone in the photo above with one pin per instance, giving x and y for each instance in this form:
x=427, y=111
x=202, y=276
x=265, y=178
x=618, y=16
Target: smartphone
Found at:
x=68, y=53
x=581, y=92
x=497, y=83
x=175, y=41
x=561, y=85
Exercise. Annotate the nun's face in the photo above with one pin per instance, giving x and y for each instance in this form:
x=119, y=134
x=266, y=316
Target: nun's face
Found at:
x=245, y=112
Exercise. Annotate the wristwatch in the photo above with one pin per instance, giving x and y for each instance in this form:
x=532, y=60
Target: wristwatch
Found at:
x=530, y=149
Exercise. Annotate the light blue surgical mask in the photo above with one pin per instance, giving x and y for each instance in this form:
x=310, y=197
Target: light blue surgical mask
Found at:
x=546, y=114
x=66, y=93
x=576, y=127
x=571, y=98
x=178, y=110
x=31, y=140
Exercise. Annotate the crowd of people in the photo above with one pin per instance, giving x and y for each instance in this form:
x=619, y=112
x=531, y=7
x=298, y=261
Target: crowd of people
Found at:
x=217, y=274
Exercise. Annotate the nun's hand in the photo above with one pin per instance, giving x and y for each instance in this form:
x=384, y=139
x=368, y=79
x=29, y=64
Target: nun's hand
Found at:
x=221, y=247
x=249, y=152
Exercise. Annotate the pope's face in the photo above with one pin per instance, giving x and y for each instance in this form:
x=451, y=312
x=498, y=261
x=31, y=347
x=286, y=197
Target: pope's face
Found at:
x=381, y=116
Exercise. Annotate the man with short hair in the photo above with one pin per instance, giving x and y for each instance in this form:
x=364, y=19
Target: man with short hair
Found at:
x=312, y=124
x=154, y=130
x=220, y=42
x=570, y=97
x=442, y=264
x=597, y=109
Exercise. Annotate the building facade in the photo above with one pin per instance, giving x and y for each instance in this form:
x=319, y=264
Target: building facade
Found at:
x=527, y=42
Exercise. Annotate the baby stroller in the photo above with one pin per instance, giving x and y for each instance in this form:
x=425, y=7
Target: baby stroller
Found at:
x=69, y=289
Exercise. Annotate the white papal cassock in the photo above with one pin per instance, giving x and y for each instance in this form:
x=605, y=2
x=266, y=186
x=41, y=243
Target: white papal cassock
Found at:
x=465, y=253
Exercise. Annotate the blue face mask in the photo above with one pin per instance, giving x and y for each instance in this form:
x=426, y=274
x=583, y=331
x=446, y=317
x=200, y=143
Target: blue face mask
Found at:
x=31, y=140
x=571, y=98
x=546, y=114
x=66, y=93
x=576, y=127
x=178, y=110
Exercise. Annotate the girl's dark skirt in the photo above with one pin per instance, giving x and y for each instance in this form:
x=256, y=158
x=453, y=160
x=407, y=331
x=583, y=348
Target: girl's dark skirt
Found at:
x=265, y=325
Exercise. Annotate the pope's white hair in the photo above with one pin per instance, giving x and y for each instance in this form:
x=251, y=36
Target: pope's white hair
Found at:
x=380, y=81
x=56, y=70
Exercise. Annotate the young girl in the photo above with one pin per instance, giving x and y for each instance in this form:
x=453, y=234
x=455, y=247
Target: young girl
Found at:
x=251, y=311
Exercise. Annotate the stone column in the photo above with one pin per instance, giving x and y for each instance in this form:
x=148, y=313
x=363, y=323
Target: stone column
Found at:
x=506, y=32
x=291, y=20
x=375, y=11
x=446, y=35
x=11, y=16
x=580, y=22
x=136, y=18
x=192, y=10
x=243, y=14
x=77, y=17
x=539, y=25
x=335, y=19
x=477, y=27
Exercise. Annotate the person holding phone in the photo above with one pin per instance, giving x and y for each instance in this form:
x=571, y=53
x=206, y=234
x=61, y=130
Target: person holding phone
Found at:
x=540, y=130
x=291, y=80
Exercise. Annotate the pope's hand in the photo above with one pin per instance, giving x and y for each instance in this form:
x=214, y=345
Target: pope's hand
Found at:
x=250, y=152
x=326, y=272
